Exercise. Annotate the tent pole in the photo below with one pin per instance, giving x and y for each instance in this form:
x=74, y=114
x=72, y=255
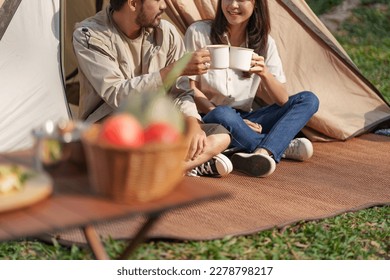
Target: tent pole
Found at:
x=99, y=5
x=7, y=11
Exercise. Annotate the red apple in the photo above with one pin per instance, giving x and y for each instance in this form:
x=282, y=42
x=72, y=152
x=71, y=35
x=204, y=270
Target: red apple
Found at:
x=122, y=130
x=161, y=132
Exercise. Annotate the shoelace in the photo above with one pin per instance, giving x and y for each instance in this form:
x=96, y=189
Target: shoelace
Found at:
x=192, y=173
x=293, y=148
x=204, y=168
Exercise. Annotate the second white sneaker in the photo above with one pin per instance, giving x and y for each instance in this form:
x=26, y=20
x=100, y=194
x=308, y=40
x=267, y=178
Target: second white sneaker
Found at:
x=299, y=149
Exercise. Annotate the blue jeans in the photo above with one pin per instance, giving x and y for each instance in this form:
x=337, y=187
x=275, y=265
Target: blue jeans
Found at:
x=280, y=124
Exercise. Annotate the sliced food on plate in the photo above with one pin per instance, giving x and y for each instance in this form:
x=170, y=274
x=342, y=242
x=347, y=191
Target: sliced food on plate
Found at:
x=12, y=178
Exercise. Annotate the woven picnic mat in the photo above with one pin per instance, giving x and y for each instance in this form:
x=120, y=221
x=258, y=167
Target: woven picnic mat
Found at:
x=340, y=177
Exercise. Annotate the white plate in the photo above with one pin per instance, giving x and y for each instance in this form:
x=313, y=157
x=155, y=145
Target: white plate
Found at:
x=36, y=188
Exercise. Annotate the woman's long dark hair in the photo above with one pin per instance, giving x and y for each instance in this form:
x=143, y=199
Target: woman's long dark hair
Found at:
x=259, y=26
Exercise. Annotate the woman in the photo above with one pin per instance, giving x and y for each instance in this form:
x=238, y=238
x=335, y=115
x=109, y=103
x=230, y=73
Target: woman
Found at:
x=225, y=96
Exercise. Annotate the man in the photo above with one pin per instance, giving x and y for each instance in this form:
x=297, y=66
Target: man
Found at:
x=128, y=48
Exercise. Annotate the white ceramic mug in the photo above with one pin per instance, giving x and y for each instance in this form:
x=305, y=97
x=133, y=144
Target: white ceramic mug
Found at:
x=219, y=55
x=240, y=58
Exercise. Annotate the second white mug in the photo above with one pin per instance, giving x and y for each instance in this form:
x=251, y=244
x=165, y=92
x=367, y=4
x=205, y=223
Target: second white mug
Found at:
x=240, y=58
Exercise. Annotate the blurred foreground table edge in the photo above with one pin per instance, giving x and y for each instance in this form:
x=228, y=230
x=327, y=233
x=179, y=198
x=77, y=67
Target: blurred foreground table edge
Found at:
x=72, y=206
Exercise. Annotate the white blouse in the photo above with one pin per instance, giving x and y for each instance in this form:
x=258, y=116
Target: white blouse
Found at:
x=228, y=86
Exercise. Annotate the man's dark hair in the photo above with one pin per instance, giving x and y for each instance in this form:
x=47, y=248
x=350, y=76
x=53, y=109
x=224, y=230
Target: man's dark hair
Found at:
x=116, y=5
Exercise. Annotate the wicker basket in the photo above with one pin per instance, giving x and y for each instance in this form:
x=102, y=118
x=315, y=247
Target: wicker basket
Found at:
x=127, y=175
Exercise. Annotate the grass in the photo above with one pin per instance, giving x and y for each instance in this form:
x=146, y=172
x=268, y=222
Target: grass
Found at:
x=320, y=7
x=359, y=235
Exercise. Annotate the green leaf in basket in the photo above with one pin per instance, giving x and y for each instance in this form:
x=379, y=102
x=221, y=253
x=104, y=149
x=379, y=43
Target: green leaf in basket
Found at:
x=172, y=76
x=152, y=106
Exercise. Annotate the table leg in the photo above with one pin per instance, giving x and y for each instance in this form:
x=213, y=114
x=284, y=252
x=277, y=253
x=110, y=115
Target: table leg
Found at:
x=94, y=242
x=140, y=236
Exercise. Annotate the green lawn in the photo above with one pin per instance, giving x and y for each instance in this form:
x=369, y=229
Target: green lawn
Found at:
x=360, y=235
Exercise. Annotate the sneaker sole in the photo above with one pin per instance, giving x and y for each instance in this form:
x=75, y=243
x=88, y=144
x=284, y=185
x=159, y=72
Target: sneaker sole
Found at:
x=256, y=165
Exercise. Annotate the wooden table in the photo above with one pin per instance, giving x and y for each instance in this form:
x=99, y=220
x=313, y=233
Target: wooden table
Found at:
x=73, y=206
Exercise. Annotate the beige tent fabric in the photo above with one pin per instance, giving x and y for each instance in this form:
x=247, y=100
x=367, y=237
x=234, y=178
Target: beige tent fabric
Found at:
x=75, y=11
x=206, y=8
x=182, y=12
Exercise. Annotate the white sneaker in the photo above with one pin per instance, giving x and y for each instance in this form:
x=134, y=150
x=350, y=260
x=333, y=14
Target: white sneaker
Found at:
x=257, y=165
x=299, y=149
x=218, y=166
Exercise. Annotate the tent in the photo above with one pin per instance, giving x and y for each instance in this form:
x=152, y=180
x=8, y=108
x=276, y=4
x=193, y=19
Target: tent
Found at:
x=31, y=82
x=36, y=60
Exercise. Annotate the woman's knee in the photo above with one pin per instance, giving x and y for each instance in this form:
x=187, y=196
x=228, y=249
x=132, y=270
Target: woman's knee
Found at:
x=310, y=99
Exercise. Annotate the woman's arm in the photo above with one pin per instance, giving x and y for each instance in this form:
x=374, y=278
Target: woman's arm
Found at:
x=203, y=104
x=275, y=89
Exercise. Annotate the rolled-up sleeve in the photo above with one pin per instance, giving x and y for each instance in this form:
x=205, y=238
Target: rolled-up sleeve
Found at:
x=273, y=61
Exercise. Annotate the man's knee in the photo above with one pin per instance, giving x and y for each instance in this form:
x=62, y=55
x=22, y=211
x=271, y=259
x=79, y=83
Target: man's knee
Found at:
x=219, y=142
